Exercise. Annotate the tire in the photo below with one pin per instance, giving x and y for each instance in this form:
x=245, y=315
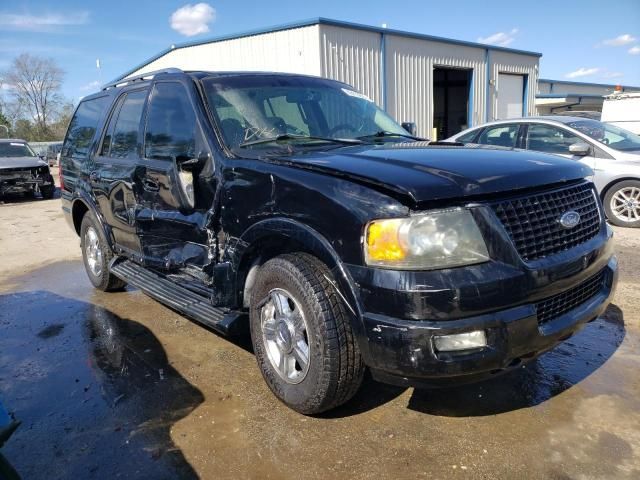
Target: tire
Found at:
x=96, y=255
x=334, y=369
x=618, y=211
x=47, y=192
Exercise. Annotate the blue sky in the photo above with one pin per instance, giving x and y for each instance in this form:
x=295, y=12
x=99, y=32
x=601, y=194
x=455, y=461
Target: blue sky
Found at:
x=590, y=40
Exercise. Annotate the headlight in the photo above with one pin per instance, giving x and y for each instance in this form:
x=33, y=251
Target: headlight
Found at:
x=438, y=239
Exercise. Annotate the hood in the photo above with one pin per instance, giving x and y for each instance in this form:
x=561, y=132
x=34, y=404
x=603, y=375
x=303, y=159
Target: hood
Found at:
x=431, y=173
x=21, y=162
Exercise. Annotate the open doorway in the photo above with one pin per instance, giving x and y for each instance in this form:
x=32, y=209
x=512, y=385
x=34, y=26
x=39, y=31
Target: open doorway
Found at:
x=451, y=87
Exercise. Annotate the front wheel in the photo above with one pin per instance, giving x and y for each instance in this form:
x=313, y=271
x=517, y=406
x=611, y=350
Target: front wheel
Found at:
x=302, y=336
x=622, y=204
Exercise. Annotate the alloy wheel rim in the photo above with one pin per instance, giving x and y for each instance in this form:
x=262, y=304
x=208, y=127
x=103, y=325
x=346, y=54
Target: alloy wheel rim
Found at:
x=92, y=251
x=625, y=204
x=284, y=336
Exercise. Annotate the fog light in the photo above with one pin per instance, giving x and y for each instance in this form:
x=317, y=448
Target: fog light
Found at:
x=460, y=341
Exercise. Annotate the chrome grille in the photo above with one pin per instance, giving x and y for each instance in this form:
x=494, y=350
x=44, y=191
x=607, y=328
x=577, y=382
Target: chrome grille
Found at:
x=533, y=224
x=561, y=303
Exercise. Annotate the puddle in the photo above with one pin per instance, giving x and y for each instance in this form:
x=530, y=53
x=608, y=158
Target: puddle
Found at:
x=94, y=392
x=99, y=398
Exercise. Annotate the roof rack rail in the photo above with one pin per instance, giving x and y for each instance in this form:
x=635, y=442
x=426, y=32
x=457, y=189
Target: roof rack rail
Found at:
x=138, y=78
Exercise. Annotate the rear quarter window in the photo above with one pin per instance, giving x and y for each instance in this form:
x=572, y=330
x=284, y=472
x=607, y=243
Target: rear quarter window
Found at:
x=468, y=137
x=82, y=128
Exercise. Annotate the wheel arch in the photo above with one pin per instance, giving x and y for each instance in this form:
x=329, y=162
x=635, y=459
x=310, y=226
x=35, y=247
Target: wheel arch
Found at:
x=608, y=186
x=270, y=238
x=79, y=208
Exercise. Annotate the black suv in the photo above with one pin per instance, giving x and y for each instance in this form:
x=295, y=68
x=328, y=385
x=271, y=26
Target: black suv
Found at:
x=293, y=207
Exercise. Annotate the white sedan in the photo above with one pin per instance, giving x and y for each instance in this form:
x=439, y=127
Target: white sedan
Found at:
x=612, y=152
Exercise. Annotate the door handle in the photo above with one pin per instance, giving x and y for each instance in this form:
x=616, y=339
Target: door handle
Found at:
x=150, y=185
x=94, y=176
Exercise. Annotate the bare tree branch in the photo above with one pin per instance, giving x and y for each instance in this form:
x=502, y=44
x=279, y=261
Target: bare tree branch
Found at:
x=35, y=84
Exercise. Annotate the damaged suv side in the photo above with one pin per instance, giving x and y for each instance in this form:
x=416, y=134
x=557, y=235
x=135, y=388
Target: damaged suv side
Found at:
x=295, y=208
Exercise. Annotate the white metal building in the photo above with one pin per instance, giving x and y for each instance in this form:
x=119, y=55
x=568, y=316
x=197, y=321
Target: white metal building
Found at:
x=559, y=95
x=442, y=85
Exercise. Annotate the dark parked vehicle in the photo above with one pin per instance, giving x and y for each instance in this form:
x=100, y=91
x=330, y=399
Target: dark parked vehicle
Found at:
x=22, y=171
x=293, y=207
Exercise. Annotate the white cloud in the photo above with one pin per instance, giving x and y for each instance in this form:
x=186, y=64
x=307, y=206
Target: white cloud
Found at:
x=502, y=39
x=635, y=50
x=192, y=20
x=582, y=72
x=90, y=86
x=619, y=41
x=38, y=23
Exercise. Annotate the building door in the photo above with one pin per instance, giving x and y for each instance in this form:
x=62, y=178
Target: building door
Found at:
x=451, y=88
x=510, y=96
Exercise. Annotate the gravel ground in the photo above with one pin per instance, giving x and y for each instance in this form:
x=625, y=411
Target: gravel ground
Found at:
x=116, y=385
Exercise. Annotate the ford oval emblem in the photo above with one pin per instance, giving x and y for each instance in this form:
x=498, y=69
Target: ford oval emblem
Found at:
x=570, y=219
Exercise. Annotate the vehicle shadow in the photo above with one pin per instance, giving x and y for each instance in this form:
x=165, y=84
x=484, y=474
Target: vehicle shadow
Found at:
x=16, y=198
x=95, y=393
x=551, y=374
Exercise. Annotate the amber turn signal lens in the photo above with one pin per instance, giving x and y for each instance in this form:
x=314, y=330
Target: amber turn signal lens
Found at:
x=383, y=242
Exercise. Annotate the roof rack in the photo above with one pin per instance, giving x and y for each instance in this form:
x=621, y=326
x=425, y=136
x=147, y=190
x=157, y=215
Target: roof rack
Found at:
x=144, y=76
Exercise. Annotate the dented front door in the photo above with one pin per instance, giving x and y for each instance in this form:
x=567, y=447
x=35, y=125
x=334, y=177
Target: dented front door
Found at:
x=172, y=224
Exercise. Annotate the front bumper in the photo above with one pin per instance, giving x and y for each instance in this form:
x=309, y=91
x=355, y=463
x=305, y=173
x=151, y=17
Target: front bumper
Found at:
x=402, y=351
x=23, y=182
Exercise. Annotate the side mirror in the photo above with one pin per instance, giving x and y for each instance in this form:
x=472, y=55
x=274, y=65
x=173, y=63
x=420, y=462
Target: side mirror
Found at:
x=580, y=149
x=410, y=127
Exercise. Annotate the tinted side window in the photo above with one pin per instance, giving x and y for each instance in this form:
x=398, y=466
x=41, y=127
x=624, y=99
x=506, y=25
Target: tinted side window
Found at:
x=121, y=140
x=83, y=126
x=500, y=135
x=171, y=123
x=546, y=138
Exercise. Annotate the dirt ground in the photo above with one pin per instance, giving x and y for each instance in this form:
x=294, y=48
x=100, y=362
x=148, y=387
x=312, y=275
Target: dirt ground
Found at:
x=118, y=386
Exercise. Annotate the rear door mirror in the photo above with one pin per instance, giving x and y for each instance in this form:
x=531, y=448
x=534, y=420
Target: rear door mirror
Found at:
x=580, y=149
x=410, y=127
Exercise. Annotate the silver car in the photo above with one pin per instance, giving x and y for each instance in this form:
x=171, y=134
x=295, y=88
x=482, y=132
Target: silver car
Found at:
x=612, y=153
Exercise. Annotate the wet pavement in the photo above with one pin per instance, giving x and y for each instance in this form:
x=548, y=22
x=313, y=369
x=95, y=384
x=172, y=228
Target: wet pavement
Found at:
x=118, y=386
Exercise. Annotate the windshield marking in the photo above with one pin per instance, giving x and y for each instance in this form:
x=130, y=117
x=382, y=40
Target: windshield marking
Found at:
x=353, y=93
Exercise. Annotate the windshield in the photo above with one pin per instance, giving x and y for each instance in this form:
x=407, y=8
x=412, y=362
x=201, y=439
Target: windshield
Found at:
x=15, y=149
x=610, y=135
x=261, y=107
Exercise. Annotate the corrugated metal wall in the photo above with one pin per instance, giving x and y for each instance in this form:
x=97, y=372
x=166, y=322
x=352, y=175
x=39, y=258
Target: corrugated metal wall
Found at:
x=359, y=57
x=352, y=56
x=409, y=80
x=290, y=51
x=506, y=62
x=355, y=56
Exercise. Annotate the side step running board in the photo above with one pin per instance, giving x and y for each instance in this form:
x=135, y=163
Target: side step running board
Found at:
x=179, y=298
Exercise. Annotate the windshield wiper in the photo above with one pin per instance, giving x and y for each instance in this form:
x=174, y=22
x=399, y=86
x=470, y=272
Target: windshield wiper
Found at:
x=289, y=138
x=385, y=134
